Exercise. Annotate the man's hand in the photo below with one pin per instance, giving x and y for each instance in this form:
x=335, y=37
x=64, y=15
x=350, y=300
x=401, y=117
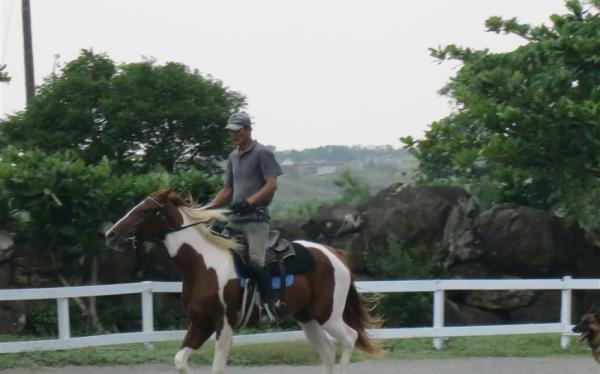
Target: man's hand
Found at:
x=241, y=208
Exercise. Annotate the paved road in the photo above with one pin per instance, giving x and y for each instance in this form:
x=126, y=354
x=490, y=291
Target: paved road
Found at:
x=450, y=366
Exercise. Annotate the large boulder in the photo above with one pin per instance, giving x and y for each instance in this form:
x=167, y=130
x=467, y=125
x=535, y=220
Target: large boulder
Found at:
x=6, y=245
x=296, y=228
x=499, y=299
x=458, y=314
x=12, y=317
x=526, y=242
x=337, y=219
x=31, y=268
x=417, y=216
x=461, y=242
x=545, y=308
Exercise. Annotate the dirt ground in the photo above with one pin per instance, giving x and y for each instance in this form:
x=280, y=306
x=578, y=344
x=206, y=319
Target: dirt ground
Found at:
x=451, y=366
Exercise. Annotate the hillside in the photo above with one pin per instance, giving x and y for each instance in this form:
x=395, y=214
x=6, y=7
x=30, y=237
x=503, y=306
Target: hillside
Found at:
x=309, y=174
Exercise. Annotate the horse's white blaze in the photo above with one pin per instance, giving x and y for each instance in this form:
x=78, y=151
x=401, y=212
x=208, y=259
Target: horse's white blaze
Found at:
x=341, y=276
x=123, y=218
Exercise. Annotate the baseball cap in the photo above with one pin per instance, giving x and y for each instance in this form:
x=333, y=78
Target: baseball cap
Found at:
x=237, y=121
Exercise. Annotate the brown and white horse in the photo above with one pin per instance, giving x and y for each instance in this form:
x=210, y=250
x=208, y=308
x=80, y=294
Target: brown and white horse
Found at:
x=324, y=299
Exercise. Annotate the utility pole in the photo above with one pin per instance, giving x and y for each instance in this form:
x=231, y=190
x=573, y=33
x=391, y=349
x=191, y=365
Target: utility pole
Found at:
x=28, y=51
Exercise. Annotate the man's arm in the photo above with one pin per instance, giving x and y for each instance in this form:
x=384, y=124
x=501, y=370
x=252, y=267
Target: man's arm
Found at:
x=222, y=197
x=265, y=193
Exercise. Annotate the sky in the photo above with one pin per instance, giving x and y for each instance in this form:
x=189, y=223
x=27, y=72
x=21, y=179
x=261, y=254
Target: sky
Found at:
x=315, y=72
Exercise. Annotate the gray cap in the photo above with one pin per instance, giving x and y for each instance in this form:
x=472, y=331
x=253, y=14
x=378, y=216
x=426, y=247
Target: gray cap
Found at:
x=237, y=121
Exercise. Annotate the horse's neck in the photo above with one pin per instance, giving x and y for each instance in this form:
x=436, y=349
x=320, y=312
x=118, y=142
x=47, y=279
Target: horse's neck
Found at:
x=213, y=257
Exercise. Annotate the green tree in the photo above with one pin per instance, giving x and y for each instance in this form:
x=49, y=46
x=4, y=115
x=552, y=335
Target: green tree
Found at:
x=354, y=190
x=527, y=124
x=62, y=206
x=137, y=114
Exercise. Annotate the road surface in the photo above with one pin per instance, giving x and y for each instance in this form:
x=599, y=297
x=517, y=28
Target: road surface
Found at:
x=554, y=365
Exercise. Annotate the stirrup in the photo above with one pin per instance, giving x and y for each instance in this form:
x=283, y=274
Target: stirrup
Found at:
x=269, y=316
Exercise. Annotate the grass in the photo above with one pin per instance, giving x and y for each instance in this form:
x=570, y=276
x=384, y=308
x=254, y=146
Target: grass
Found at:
x=298, y=353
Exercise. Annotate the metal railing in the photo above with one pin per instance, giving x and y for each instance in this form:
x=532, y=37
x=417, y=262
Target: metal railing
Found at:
x=438, y=331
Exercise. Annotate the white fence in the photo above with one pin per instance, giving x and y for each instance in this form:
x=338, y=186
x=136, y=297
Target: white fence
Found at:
x=438, y=331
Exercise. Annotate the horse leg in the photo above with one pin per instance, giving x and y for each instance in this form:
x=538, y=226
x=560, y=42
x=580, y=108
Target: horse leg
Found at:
x=316, y=336
x=346, y=336
x=222, y=347
x=193, y=339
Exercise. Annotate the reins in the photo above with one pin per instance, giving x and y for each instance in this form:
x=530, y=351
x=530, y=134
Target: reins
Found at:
x=162, y=236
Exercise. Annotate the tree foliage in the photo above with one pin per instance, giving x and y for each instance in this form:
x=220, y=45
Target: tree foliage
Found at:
x=137, y=114
x=62, y=206
x=98, y=138
x=354, y=190
x=527, y=123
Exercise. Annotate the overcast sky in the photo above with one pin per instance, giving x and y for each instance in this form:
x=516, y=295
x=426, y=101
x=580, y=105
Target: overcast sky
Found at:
x=315, y=72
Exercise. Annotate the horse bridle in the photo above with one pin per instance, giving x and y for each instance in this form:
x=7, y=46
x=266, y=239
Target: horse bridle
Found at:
x=161, y=212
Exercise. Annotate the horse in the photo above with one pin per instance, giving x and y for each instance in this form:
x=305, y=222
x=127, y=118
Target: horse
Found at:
x=322, y=300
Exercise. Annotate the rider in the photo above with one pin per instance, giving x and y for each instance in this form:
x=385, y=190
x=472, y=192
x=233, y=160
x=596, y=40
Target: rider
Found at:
x=250, y=182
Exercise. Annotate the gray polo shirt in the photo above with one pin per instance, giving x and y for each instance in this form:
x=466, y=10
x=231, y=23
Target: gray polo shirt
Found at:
x=246, y=172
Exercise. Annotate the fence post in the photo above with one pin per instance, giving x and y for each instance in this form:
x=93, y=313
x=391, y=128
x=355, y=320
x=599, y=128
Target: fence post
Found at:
x=64, y=323
x=438, y=314
x=147, y=311
x=565, y=312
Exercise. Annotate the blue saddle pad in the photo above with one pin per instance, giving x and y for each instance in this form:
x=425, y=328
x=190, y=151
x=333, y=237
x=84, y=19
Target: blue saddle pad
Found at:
x=275, y=281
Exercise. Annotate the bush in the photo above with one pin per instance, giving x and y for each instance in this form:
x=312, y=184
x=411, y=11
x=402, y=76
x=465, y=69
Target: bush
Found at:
x=397, y=261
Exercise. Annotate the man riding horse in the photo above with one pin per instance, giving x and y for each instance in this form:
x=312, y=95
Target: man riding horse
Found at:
x=250, y=182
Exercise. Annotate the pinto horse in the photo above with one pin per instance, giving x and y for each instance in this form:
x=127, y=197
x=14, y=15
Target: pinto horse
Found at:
x=322, y=300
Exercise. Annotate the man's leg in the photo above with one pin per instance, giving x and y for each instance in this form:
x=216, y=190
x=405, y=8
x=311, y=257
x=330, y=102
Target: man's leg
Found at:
x=257, y=233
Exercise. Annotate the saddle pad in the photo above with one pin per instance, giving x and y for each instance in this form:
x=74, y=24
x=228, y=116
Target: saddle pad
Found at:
x=300, y=263
x=275, y=281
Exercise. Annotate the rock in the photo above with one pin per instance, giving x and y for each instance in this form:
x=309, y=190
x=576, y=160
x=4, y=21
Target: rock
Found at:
x=6, y=245
x=519, y=240
x=457, y=314
x=292, y=228
x=545, y=308
x=461, y=241
x=473, y=270
x=12, y=317
x=417, y=216
x=337, y=219
x=31, y=268
x=499, y=299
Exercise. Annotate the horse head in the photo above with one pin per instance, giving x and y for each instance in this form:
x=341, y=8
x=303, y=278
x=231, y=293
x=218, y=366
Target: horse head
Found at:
x=151, y=219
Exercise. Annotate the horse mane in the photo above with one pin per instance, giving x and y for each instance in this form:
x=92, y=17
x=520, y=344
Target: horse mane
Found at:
x=197, y=214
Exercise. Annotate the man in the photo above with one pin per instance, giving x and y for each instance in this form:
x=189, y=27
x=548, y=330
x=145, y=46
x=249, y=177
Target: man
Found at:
x=250, y=182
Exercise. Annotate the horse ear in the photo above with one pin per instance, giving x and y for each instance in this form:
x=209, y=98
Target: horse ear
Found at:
x=592, y=309
x=163, y=193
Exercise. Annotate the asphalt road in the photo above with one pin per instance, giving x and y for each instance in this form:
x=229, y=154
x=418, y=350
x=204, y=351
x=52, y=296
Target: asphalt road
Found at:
x=446, y=366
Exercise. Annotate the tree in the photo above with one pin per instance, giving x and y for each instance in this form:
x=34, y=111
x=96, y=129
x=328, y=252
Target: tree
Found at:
x=354, y=190
x=61, y=206
x=527, y=123
x=138, y=114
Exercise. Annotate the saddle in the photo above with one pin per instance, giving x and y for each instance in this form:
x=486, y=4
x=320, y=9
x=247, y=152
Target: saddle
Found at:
x=282, y=258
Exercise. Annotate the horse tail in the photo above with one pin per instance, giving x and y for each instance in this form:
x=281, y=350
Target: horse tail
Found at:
x=357, y=314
